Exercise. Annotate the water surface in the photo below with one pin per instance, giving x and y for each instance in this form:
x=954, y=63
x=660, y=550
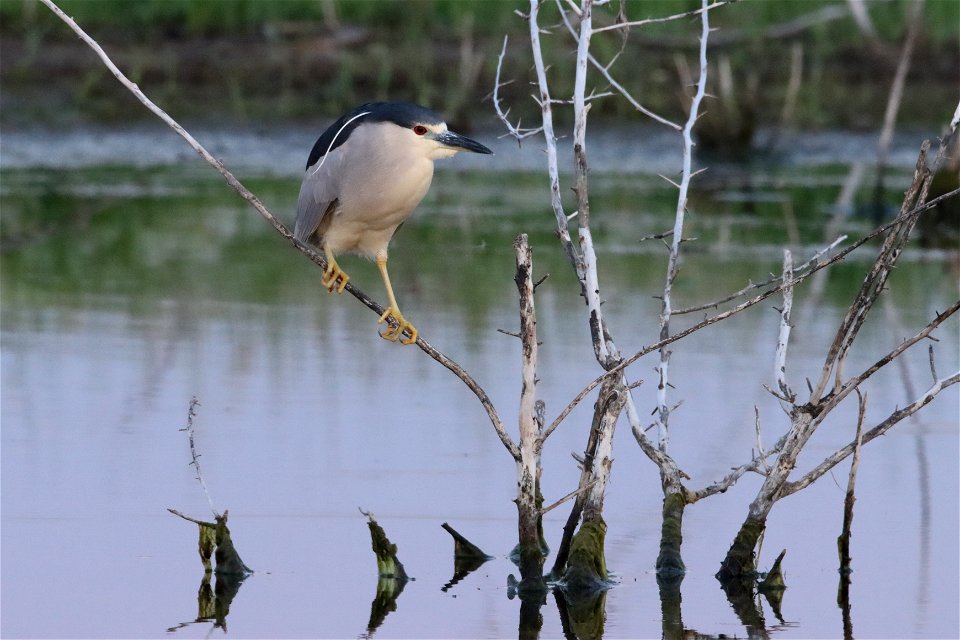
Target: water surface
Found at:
x=130, y=287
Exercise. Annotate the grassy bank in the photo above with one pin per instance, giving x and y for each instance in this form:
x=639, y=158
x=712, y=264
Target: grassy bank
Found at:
x=293, y=59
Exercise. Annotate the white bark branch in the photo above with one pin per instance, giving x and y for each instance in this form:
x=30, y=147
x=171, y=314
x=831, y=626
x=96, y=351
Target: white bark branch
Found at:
x=783, y=339
x=550, y=140
x=677, y=16
x=517, y=131
x=605, y=72
x=673, y=263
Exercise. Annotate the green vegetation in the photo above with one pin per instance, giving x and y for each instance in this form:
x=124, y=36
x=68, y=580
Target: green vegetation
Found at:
x=269, y=59
x=427, y=18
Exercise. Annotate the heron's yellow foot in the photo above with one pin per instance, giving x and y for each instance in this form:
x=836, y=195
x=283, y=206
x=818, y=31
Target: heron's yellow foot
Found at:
x=397, y=326
x=334, y=278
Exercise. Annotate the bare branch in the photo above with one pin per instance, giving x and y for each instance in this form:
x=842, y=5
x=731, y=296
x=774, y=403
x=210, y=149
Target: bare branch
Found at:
x=308, y=251
x=754, y=465
x=813, y=261
x=551, y=141
x=194, y=456
x=590, y=278
x=895, y=417
x=515, y=131
x=756, y=299
x=605, y=72
x=573, y=494
x=780, y=372
x=640, y=23
x=193, y=520
x=875, y=279
x=832, y=400
x=673, y=262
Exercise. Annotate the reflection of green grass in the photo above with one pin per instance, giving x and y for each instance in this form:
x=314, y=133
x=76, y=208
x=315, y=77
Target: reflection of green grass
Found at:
x=65, y=235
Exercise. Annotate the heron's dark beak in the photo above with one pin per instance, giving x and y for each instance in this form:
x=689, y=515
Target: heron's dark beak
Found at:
x=459, y=142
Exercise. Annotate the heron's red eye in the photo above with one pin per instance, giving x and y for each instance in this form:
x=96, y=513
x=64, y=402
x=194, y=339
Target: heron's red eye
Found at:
x=420, y=130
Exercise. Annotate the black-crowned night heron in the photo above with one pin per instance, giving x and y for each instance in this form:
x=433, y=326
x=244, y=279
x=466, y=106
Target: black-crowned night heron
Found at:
x=365, y=176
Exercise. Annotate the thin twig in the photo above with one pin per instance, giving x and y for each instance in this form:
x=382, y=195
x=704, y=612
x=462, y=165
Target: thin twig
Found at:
x=673, y=262
x=895, y=417
x=516, y=131
x=573, y=494
x=760, y=453
x=759, y=285
x=193, y=520
x=639, y=23
x=933, y=366
x=194, y=456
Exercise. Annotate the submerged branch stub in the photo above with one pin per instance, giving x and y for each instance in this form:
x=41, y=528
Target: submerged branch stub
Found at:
x=463, y=548
x=586, y=570
x=388, y=565
x=670, y=561
x=228, y=560
x=215, y=542
x=739, y=566
x=774, y=580
x=467, y=557
x=843, y=540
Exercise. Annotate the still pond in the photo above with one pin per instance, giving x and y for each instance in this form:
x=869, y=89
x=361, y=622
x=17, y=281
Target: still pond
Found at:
x=133, y=280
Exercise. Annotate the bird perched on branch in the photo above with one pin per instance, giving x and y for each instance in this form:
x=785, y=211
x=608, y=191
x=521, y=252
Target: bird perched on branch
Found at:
x=365, y=176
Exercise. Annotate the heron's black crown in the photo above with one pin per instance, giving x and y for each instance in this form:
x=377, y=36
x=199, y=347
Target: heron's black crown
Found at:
x=404, y=114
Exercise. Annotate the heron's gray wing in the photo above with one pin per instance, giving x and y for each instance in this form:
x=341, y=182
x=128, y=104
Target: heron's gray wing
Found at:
x=318, y=197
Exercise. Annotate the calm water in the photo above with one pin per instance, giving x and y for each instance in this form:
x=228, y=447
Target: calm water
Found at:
x=135, y=280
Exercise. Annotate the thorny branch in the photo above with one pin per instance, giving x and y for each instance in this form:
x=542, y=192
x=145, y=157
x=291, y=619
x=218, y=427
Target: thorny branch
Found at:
x=605, y=72
x=783, y=339
x=516, y=131
x=895, y=417
x=308, y=251
x=875, y=280
x=759, y=285
x=550, y=139
x=673, y=262
x=194, y=456
x=749, y=303
x=677, y=16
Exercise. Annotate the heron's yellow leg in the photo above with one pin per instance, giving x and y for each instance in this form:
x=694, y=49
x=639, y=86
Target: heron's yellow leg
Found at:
x=333, y=273
x=398, y=325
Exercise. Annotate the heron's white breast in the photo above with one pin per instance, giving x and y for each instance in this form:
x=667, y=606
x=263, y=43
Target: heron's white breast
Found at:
x=382, y=180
